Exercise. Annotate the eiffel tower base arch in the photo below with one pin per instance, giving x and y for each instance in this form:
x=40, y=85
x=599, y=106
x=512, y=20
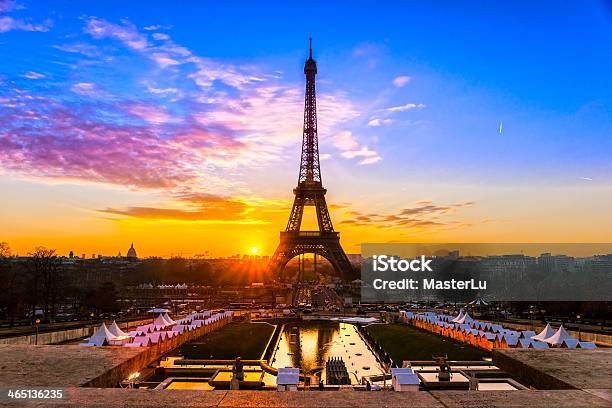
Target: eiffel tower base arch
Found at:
x=324, y=244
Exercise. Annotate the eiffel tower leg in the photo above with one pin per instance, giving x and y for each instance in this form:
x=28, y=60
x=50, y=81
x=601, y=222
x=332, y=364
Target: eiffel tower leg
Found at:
x=325, y=223
x=295, y=218
x=336, y=256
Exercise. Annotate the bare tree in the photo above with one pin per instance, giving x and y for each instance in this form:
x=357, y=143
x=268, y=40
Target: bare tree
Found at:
x=5, y=250
x=44, y=283
x=11, y=287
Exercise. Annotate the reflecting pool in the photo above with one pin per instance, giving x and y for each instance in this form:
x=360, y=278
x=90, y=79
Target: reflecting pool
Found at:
x=307, y=345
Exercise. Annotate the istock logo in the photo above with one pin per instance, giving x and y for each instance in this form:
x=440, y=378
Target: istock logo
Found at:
x=384, y=263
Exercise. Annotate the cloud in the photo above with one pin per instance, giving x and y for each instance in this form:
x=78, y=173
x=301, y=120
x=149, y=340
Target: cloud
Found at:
x=163, y=60
x=401, y=81
x=126, y=33
x=154, y=27
x=369, y=156
x=41, y=137
x=368, y=49
x=89, y=89
x=161, y=91
x=424, y=214
x=9, y=23
x=92, y=133
x=429, y=208
x=85, y=49
x=350, y=147
x=199, y=207
x=345, y=141
x=9, y=5
x=268, y=119
x=150, y=113
x=34, y=75
x=408, y=106
x=169, y=54
x=375, y=122
x=161, y=36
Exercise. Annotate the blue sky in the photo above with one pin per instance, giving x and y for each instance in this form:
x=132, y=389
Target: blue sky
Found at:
x=163, y=103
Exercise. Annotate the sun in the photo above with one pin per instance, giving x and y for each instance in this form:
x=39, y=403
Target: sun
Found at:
x=254, y=250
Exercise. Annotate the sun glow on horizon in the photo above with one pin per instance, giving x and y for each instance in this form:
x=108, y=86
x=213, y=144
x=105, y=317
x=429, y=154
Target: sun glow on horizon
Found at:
x=254, y=250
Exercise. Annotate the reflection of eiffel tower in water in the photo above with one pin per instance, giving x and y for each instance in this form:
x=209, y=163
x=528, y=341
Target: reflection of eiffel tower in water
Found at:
x=310, y=192
x=309, y=344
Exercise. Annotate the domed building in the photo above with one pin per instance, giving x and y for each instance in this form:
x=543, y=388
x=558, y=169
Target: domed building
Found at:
x=131, y=253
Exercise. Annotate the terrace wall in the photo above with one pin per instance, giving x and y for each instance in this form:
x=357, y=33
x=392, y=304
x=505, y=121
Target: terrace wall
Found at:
x=60, y=336
x=150, y=354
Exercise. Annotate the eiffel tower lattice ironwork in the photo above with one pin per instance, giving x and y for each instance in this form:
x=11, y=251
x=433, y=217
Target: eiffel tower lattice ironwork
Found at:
x=310, y=192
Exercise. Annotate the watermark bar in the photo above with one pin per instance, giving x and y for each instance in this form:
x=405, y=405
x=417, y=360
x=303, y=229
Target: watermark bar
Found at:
x=31, y=393
x=393, y=273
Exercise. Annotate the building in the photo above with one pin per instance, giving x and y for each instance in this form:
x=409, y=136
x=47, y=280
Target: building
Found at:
x=131, y=254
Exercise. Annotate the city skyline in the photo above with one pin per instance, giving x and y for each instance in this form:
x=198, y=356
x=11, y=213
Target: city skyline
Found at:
x=183, y=135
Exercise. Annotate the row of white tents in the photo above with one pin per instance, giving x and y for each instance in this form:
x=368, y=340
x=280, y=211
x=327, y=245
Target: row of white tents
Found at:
x=160, y=330
x=490, y=335
x=150, y=286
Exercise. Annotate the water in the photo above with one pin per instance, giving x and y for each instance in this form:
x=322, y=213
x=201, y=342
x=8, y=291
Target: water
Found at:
x=309, y=344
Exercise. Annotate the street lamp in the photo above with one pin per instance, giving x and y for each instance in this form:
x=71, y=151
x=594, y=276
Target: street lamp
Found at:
x=36, y=323
x=383, y=370
x=132, y=379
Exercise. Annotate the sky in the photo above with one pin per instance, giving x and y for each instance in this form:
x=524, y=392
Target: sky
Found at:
x=178, y=126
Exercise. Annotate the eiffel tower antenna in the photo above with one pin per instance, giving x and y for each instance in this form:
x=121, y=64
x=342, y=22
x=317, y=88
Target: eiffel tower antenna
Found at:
x=310, y=39
x=310, y=192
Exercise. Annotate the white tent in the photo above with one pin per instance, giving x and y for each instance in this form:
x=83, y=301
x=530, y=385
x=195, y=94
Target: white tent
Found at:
x=511, y=341
x=160, y=322
x=527, y=334
x=144, y=329
x=116, y=330
x=102, y=337
x=586, y=344
x=156, y=337
x=459, y=317
x=569, y=343
x=465, y=319
x=538, y=345
x=168, y=319
x=544, y=334
x=479, y=302
x=560, y=335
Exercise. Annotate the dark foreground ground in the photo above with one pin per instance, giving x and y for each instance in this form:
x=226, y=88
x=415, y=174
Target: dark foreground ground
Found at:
x=571, y=378
x=107, y=397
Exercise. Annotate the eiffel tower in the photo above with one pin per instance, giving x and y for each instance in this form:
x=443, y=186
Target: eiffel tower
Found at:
x=310, y=192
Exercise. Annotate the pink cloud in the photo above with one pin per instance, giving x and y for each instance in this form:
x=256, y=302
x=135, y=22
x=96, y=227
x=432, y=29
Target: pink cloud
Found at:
x=163, y=60
x=9, y=23
x=126, y=33
x=84, y=88
x=351, y=148
x=406, y=107
x=369, y=156
x=150, y=113
x=401, y=81
x=46, y=139
x=33, y=75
